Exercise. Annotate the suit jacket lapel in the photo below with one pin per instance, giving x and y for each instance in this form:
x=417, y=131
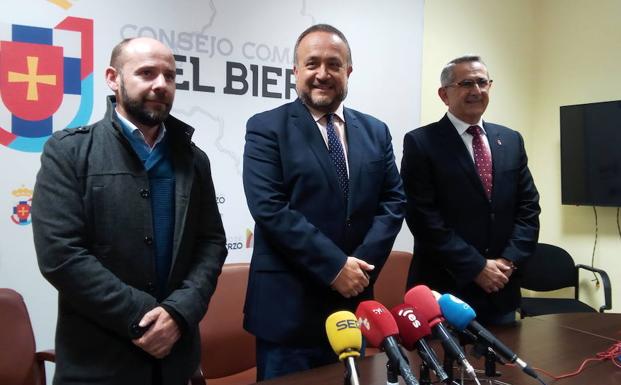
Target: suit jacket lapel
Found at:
x=455, y=145
x=303, y=122
x=355, y=148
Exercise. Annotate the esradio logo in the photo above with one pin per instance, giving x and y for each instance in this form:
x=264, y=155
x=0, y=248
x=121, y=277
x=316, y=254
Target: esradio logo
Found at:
x=46, y=81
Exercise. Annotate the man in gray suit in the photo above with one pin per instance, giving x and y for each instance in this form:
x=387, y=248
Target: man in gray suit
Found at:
x=127, y=230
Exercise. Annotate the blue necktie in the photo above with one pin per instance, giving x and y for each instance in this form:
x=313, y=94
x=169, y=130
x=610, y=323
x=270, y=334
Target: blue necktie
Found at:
x=338, y=156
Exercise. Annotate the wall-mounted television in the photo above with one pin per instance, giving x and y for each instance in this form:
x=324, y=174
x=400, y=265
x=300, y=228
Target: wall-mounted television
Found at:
x=591, y=154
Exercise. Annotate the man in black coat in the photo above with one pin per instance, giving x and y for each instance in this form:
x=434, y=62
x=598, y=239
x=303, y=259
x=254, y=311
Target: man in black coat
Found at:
x=126, y=228
x=472, y=204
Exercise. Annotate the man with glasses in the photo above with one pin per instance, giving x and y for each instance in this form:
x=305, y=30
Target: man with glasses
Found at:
x=472, y=204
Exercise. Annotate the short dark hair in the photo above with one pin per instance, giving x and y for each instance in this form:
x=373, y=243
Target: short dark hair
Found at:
x=321, y=28
x=117, y=51
x=447, y=76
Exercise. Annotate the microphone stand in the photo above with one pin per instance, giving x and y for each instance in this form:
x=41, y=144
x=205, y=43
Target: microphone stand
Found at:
x=424, y=374
x=351, y=374
x=490, y=364
x=448, y=367
x=393, y=371
x=392, y=374
x=481, y=349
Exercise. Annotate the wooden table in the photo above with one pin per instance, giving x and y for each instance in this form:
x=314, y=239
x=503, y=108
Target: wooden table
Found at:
x=557, y=343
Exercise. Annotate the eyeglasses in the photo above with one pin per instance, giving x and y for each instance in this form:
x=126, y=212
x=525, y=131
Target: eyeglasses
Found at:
x=470, y=83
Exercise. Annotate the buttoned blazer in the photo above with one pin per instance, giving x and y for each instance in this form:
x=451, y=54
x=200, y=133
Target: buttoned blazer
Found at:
x=304, y=229
x=455, y=226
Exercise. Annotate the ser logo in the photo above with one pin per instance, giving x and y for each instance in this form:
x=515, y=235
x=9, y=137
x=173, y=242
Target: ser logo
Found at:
x=347, y=324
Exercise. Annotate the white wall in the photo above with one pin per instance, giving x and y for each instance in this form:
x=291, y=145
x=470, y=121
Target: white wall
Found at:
x=541, y=54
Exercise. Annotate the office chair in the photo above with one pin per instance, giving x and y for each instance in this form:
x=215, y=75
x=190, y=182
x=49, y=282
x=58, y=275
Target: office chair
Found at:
x=20, y=364
x=227, y=350
x=552, y=268
x=389, y=288
x=390, y=285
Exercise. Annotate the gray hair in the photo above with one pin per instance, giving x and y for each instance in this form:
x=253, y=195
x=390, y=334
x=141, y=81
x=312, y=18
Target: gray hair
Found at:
x=321, y=28
x=448, y=76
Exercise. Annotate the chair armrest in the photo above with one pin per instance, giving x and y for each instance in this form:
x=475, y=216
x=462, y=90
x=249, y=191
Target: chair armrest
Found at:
x=605, y=281
x=197, y=377
x=41, y=357
x=46, y=355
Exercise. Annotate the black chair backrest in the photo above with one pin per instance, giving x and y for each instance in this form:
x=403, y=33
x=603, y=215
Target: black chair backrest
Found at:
x=549, y=268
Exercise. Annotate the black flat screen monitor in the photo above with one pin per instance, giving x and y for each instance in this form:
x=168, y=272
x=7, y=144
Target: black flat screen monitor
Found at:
x=591, y=154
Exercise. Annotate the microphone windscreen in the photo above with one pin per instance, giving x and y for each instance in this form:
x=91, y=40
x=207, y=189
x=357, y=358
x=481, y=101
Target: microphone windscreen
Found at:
x=412, y=327
x=344, y=334
x=376, y=322
x=421, y=298
x=457, y=312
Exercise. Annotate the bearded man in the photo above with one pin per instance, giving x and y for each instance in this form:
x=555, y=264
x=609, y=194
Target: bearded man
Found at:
x=126, y=228
x=324, y=191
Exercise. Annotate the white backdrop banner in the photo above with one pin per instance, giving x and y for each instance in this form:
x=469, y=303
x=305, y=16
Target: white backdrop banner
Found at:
x=234, y=59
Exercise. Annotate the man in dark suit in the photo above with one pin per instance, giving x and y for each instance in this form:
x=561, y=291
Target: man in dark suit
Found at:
x=472, y=204
x=127, y=229
x=323, y=188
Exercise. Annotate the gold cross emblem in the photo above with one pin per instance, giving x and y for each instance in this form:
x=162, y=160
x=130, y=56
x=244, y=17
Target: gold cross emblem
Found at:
x=32, y=78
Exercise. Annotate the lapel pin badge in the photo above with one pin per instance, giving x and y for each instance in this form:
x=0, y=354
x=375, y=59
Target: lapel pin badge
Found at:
x=499, y=142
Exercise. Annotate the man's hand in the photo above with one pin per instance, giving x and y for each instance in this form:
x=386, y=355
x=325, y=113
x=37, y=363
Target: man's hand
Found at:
x=161, y=335
x=511, y=267
x=494, y=275
x=353, y=277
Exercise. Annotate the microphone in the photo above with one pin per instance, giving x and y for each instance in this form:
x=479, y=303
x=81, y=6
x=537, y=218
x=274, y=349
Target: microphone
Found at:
x=346, y=340
x=461, y=316
x=412, y=329
x=379, y=328
x=422, y=299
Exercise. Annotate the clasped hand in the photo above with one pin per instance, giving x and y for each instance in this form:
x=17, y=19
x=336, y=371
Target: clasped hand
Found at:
x=161, y=335
x=353, y=277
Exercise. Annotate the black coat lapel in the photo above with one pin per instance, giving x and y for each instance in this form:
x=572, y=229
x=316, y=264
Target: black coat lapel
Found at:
x=497, y=150
x=456, y=147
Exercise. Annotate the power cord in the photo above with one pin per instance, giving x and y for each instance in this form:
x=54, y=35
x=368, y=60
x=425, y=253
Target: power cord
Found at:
x=611, y=354
x=618, y=227
x=595, y=278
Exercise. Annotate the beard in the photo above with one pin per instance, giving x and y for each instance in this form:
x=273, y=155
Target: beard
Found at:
x=324, y=103
x=136, y=108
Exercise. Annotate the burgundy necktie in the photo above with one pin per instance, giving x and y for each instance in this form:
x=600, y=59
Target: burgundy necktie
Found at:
x=482, y=159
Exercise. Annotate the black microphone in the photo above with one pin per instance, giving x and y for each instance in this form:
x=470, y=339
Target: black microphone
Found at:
x=461, y=316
